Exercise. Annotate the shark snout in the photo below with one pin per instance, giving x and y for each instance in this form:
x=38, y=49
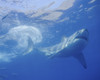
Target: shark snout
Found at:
x=84, y=30
x=83, y=34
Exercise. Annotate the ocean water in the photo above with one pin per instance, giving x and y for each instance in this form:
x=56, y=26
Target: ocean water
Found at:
x=22, y=35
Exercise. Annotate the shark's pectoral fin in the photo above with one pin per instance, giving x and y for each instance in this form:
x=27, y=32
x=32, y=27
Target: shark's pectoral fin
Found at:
x=81, y=59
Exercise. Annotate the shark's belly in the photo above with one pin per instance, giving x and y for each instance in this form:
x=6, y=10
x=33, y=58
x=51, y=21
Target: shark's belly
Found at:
x=67, y=52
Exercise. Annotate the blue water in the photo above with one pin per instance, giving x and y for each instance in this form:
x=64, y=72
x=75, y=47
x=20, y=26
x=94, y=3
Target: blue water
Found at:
x=38, y=67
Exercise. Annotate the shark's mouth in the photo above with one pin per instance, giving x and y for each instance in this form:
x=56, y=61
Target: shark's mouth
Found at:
x=82, y=37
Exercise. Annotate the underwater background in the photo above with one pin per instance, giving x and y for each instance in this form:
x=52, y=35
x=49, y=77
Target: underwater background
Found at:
x=46, y=23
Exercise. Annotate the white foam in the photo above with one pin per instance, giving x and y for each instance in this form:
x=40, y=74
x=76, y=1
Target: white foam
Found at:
x=20, y=34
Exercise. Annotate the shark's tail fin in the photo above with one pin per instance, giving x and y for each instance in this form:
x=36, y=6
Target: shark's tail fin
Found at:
x=81, y=59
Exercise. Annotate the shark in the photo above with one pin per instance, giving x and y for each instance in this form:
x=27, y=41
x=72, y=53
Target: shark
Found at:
x=71, y=46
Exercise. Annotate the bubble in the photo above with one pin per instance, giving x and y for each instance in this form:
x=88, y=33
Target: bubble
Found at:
x=18, y=41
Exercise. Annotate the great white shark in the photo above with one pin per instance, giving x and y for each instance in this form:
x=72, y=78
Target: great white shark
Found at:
x=69, y=46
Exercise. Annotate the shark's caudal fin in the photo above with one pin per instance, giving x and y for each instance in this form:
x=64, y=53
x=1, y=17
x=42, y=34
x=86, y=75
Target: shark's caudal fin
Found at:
x=81, y=59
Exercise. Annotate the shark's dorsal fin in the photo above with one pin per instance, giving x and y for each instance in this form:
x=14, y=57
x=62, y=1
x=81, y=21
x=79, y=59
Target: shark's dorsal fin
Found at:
x=81, y=59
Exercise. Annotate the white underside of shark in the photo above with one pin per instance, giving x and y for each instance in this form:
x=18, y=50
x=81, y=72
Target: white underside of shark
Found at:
x=71, y=46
